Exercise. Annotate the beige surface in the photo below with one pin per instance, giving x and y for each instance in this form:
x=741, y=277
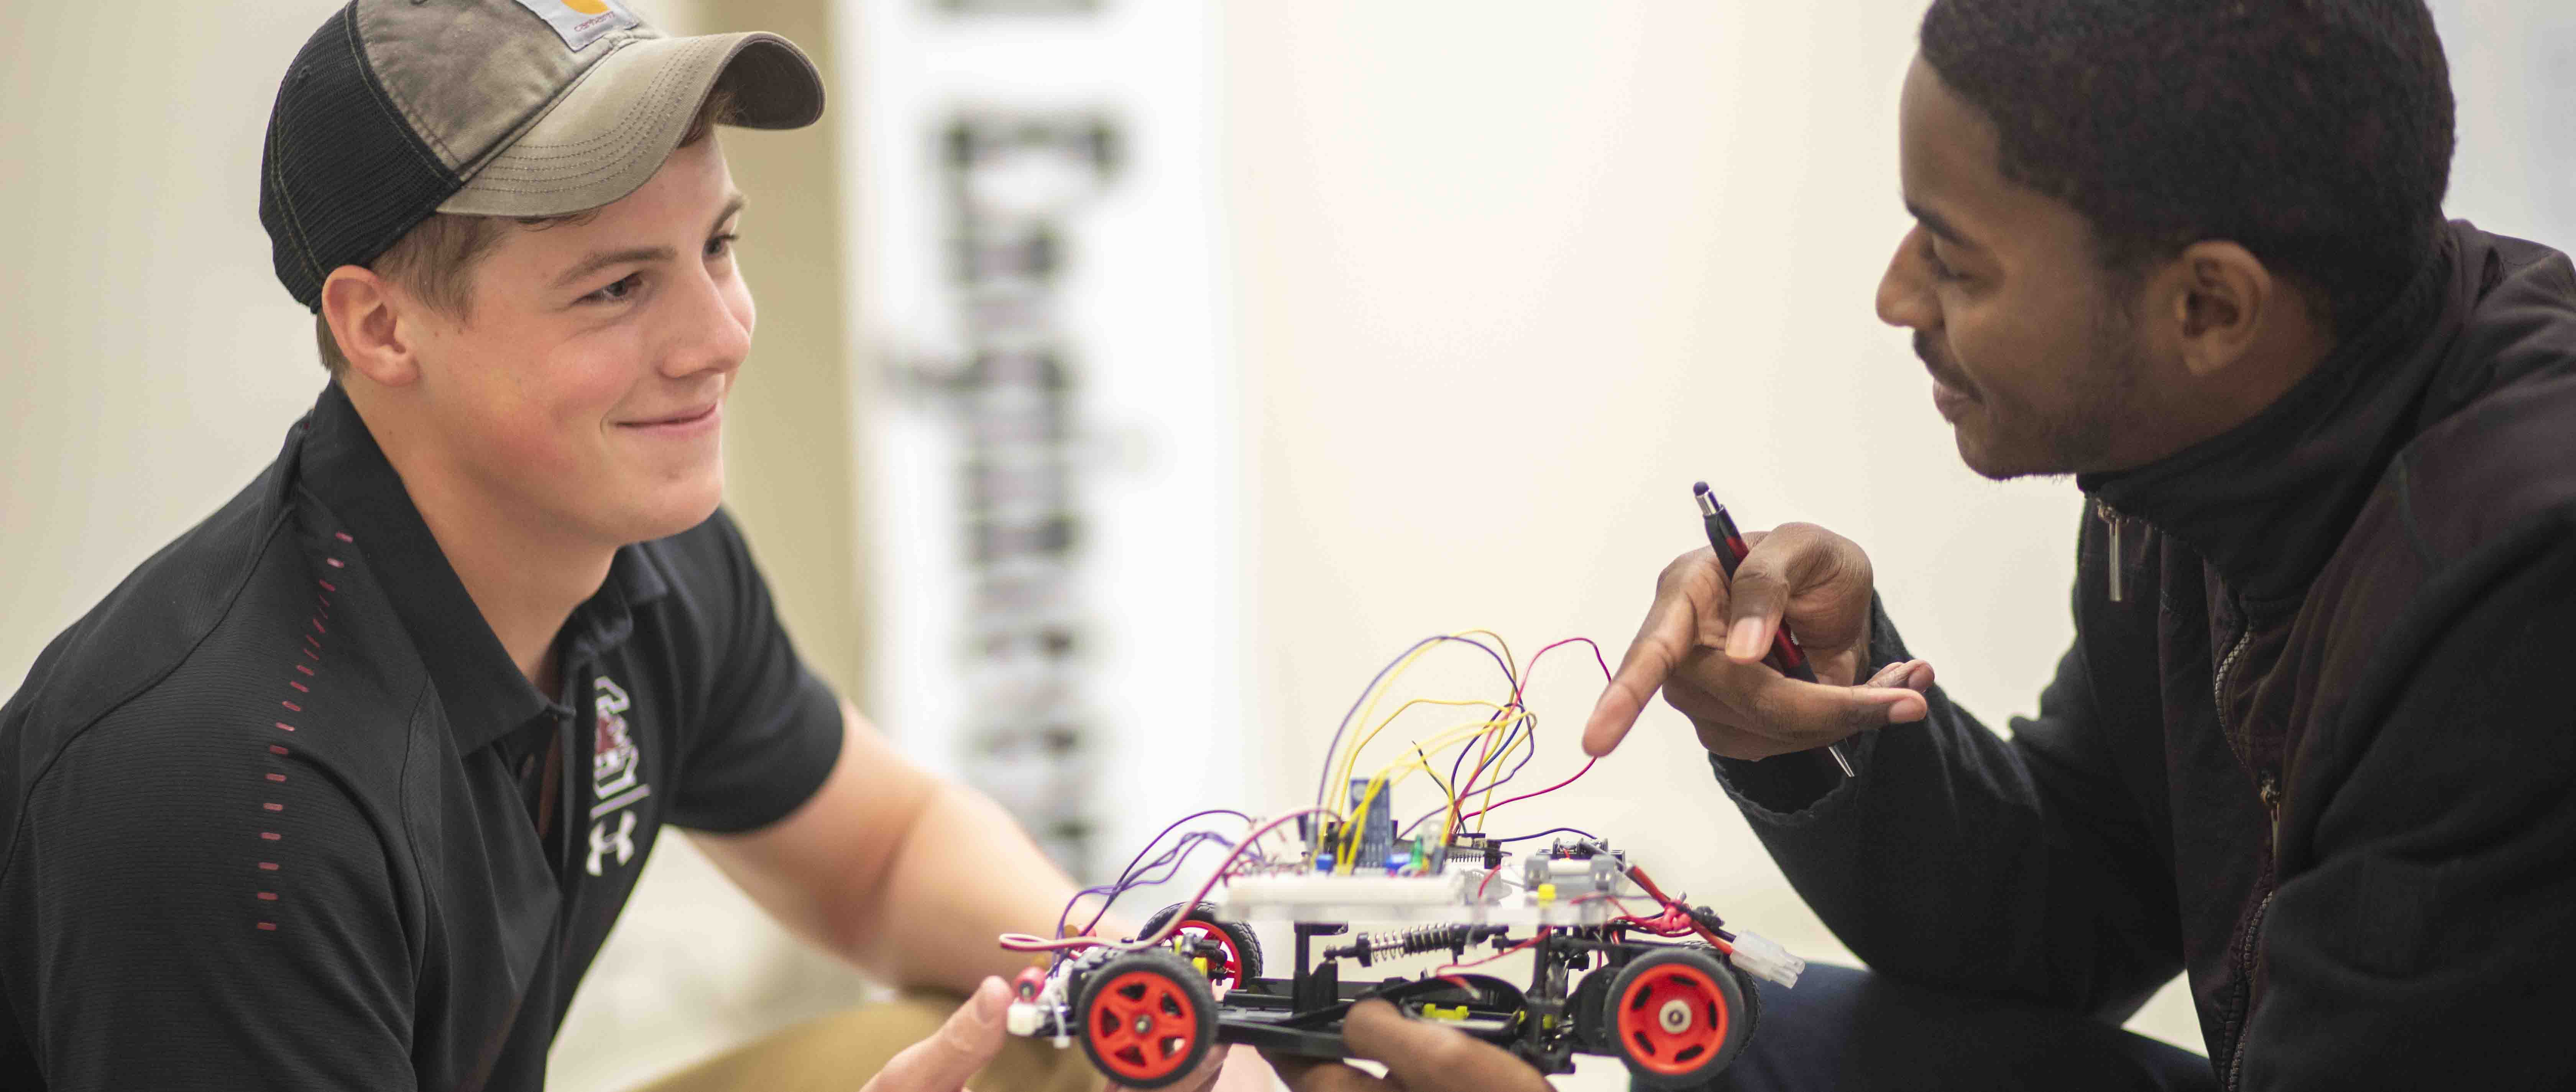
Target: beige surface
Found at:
x=836, y=1052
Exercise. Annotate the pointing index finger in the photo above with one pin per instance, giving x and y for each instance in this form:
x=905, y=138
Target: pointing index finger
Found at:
x=1670, y=630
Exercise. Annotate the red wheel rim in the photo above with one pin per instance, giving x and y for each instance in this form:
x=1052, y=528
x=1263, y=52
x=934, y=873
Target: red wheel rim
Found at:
x=1142, y=1025
x=1672, y=1019
x=1192, y=931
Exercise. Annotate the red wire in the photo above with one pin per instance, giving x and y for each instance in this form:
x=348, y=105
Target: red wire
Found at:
x=1578, y=775
x=1527, y=671
x=1469, y=788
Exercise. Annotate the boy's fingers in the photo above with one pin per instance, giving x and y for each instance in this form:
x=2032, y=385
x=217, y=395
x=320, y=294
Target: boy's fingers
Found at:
x=966, y=1043
x=1425, y=1057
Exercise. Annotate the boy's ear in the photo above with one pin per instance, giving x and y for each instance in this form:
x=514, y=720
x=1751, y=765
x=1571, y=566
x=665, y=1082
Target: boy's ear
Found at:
x=367, y=319
x=2223, y=295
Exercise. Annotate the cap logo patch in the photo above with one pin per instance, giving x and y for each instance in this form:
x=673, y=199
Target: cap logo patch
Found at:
x=581, y=22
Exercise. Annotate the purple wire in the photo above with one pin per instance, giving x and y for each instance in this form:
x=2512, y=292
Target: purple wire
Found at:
x=1322, y=779
x=1464, y=790
x=1544, y=833
x=1130, y=870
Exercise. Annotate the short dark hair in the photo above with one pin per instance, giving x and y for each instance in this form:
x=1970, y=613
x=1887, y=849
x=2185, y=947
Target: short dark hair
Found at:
x=2315, y=133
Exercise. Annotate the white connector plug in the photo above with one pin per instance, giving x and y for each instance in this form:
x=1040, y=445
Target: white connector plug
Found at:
x=1762, y=959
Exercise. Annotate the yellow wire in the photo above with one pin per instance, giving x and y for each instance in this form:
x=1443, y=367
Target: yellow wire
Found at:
x=1393, y=773
x=1449, y=825
x=1446, y=739
x=1349, y=758
x=1441, y=742
x=1386, y=686
x=1488, y=805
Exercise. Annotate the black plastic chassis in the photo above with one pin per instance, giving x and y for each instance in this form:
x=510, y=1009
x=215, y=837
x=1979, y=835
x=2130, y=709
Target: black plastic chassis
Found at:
x=1302, y=1014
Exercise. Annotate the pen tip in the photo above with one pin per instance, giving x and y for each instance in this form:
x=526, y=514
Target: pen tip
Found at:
x=1699, y=489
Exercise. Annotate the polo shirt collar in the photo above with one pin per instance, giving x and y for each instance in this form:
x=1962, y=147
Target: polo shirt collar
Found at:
x=482, y=690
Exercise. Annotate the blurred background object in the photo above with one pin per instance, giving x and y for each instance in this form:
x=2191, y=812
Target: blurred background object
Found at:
x=1136, y=376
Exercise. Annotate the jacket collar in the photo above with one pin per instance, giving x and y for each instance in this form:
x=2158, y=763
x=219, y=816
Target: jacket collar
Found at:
x=2267, y=502
x=482, y=691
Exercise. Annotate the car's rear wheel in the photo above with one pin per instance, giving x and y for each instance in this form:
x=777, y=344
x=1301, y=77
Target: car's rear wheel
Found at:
x=1240, y=958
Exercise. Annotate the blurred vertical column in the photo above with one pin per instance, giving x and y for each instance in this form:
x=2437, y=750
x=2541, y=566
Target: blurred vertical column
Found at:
x=1053, y=472
x=1012, y=179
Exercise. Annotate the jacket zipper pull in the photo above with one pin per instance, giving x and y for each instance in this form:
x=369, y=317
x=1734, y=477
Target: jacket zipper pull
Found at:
x=2111, y=524
x=2269, y=788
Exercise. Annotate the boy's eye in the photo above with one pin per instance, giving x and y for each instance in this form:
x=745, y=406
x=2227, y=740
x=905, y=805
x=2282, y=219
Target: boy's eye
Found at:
x=721, y=245
x=624, y=287
x=1941, y=270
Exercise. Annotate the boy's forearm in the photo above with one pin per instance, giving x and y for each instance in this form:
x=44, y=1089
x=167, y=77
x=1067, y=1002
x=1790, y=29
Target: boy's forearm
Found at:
x=964, y=874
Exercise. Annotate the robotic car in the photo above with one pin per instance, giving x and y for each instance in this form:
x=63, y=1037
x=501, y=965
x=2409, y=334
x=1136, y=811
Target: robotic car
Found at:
x=1668, y=992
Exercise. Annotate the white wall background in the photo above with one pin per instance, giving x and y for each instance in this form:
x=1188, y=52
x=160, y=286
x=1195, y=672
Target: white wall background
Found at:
x=1505, y=276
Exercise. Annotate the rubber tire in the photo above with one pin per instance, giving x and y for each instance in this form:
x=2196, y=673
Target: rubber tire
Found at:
x=1739, y=1028
x=1185, y=977
x=1743, y=982
x=1247, y=947
x=1589, y=1008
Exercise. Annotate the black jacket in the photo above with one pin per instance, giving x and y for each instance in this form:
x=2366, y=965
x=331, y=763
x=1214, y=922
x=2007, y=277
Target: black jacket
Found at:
x=2316, y=752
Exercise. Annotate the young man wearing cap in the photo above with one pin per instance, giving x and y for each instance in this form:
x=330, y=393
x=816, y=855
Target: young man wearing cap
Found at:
x=344, y=788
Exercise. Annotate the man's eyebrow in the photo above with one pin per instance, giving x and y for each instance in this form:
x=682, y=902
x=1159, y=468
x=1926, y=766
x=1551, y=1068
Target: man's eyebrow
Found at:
x=732, y=205
x=599, y=260
x=602, y=259
x=1932, y=220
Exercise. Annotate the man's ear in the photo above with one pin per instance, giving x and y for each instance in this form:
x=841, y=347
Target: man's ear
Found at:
x=367, y=319
x=2222, y=296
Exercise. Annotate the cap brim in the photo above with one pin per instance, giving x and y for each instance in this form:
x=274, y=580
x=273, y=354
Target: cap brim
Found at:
x=609, y=134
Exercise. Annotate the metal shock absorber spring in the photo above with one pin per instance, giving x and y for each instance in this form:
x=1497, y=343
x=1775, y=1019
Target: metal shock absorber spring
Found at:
x=1429, y=938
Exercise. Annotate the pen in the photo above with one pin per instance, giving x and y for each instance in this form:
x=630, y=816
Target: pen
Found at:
x=1785, y=651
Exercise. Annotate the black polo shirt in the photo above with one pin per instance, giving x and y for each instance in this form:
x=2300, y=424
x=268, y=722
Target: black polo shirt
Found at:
x=267, y=813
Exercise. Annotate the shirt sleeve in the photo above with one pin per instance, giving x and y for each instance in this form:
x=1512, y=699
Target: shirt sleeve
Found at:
x=2051, y=887
x=177, y=942
x=770, y=730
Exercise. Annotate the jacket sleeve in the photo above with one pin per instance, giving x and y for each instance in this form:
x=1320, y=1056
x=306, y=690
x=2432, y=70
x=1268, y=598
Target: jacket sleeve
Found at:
x=197, y=924
x=2424, y=930
x=1957, y=859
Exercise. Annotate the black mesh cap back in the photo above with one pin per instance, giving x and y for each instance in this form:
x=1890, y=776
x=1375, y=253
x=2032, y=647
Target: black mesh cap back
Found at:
x=342, y=177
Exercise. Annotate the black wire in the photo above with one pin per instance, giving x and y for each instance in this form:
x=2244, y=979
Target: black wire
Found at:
x=1543, y=834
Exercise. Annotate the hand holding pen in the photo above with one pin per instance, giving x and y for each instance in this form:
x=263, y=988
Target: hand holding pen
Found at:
x=1786, y=655
x=1705, y=642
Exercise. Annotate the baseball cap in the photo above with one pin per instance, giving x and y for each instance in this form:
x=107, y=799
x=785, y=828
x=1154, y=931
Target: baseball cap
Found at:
x=398, y=109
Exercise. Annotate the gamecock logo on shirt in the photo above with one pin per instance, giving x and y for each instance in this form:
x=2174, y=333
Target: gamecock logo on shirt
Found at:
x=616, y=777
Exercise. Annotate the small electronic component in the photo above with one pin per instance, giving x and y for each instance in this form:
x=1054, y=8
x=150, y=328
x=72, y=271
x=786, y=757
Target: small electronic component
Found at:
x=1372, y=811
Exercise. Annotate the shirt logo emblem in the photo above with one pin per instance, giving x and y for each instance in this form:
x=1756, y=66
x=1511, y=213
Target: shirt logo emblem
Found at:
x=616, y=776
x=622, y=842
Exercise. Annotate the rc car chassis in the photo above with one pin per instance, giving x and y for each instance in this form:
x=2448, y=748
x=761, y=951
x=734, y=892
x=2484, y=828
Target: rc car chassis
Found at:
x=1670, y=994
